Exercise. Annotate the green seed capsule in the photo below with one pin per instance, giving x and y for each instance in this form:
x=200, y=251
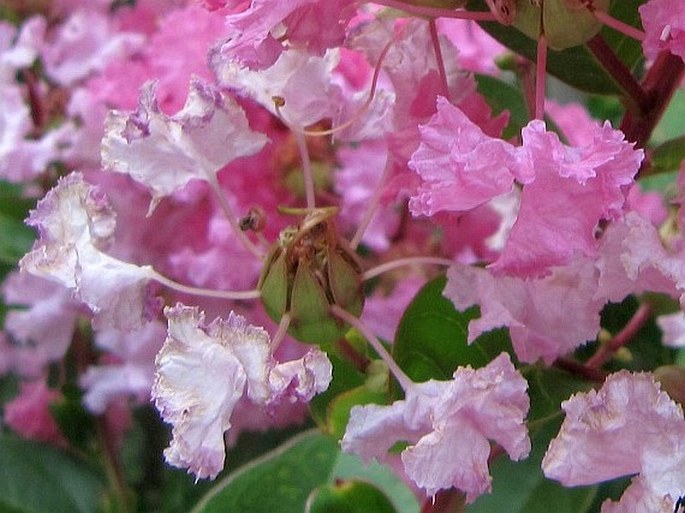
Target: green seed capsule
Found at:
x=309, y=269
x=566, y=23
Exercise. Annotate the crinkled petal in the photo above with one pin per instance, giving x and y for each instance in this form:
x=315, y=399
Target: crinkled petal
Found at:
x=197, y=385
x=166, y=152
x=639, y=498
x=460, y=166
x=534, y=310
x=454, y=456
x=303, y=81
x=75, y=223
x=605, y=432
x=373, y=429
x=574, y=189
x=301, y=379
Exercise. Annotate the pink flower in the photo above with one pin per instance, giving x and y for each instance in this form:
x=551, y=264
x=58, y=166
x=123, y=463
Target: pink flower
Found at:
x=314, y=25
x=664, y=23
x=29, y=414
x=627, y=427
x=46, y=319
x=83, y=44
x=165, y=153
x=204, y=370
x=534, y=310
x=574, y=189
x=75, y=223
x=460, y=166
x=447, y=426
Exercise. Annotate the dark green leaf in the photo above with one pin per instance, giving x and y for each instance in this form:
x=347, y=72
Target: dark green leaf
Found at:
x=35, y=478
x=431, y=339
x=576, y=66
x=345, y=378
x=352, y=496
x=339, y=408
x=281, y=481
x=15, y=239
x=671, y=124
x=669, y=155
x=503, y=96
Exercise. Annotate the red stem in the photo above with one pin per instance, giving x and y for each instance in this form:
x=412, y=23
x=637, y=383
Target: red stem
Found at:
x=621, y=338
x=661, y=81
x=540, y=76
x=620, y=73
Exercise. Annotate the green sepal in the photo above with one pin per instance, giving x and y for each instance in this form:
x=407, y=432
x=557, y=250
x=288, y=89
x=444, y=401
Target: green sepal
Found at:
x=311, y=319
x=564, y=27
x=273, y=284
x=345, y=284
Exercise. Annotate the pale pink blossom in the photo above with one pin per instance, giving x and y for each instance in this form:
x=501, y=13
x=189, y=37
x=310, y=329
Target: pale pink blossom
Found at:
x=203, y=370
x=664, y=24
x=633, y=259
x=627, y=427
x=45, y=319
x=165, y=153
x=574, y=189
x=75, y=225
x=460, y=166
x=314, y=25
x=534, y=310
x=83, y=44
x=303, y=81
x=448, y=425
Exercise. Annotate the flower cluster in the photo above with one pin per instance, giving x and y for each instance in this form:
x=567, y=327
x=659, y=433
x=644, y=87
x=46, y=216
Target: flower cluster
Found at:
x=297, y=170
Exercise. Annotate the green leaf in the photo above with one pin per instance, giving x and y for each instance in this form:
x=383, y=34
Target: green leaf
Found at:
x=668, y=156
x=35, y=478
x=15, y=239
x=671, y=124
x=502, y=96
x=431, y=339
x=345, y=377
x=576, y=66
x=281, y=481
x=339, y=408
x=352, y=496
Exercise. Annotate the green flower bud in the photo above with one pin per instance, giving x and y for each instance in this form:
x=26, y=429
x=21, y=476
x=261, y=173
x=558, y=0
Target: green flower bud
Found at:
x=566, y=23
x=309, y=269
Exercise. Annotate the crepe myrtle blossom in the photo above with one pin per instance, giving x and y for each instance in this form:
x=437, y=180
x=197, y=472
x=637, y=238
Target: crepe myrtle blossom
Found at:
x=165, y=152
x=566, y=190
x=203, y=370
x=447, y=425
x=627, y=427
x=75, y=225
